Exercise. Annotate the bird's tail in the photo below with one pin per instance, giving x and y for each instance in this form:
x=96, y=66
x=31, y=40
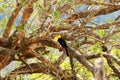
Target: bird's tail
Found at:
x=66, y=52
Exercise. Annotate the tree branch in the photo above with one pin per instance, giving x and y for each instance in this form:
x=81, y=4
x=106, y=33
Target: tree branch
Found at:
x=78, y=56
x=113, y=67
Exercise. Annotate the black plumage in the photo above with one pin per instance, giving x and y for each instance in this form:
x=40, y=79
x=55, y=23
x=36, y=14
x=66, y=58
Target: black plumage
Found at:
x=63, y=44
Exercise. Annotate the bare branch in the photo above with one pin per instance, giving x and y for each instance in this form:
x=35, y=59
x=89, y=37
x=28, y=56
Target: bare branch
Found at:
x=113, y=67
x=11, y=20
x=78, y=56
x=36, y=68
x=84, y=14
x=117, y=60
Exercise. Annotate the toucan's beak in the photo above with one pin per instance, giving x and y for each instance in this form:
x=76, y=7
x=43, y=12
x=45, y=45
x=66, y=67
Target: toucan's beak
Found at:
x=57, y=37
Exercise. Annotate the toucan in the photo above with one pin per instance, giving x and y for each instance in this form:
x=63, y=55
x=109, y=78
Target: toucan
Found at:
x=62, y=42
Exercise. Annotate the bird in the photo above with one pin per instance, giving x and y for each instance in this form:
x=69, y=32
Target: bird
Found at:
x=62, y=42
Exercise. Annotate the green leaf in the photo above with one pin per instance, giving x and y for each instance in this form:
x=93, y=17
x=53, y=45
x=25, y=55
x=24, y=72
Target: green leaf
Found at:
x=56, y=14
x=101, y=1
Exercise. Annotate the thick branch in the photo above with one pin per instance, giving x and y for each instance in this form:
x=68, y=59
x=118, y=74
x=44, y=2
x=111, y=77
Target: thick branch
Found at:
x=92, y=56
x=113, y=67
x=3, y=42
x=105, y=26
x=4, y=60
x=27, y=12
x=117, y=60
x=84, y=14
x=78, y=56
x=11, y=20
x=36, y=68
x=50, y=65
